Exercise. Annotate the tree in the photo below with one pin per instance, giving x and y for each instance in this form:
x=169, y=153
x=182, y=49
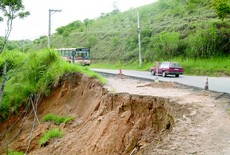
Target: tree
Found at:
x=10, y=9
x=115, y=8
x=222, y=8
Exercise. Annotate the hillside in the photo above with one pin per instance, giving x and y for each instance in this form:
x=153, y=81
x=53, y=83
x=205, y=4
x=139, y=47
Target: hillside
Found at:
x=169, y=28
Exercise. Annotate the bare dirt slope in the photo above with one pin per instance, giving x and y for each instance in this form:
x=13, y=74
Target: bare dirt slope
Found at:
x=204, y=127
x=125, y=116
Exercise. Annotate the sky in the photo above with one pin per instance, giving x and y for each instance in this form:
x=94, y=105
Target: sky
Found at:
x=36, y=24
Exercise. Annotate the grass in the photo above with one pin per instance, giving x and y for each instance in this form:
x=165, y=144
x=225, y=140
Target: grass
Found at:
x=228, y=110
x=219, y=66
x=129, y=66
x=14, y=153
x=56, y=119
x=53, y=133
x=34, y=72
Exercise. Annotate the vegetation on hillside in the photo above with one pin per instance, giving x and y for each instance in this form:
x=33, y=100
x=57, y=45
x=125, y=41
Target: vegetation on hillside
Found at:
x=56, y=119
x=21, y=45
x=169, y=29
x=52, y=133
x=186, y=31
x=33, y=73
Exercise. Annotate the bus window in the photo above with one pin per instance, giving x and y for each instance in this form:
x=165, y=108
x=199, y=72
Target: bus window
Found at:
x=76, y=55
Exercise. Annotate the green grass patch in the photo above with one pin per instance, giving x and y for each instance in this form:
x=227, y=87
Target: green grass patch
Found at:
x=34, y=72
x=228, y=110
x=218, y=66
x=14, y=153
x=53, y=133
x=128, y=66
x=56, y=119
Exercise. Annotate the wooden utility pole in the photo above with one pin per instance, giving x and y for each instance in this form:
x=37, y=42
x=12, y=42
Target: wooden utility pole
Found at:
x=139, y=38
x=49, y=30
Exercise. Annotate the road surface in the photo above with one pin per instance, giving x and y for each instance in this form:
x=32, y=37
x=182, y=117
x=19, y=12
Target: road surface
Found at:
x=217, y=84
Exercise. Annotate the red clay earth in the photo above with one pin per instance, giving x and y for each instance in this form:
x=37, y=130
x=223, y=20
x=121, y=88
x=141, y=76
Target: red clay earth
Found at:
x=125, y=116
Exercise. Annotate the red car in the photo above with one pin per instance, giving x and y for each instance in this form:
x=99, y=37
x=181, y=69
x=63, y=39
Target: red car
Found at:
x=167, y=68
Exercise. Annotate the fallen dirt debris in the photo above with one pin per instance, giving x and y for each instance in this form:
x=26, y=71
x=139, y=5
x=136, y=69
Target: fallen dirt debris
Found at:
x=126, y=116
x=160, y=85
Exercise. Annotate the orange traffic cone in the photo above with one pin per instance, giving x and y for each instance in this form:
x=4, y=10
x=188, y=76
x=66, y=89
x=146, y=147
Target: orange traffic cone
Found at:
x=206, y=84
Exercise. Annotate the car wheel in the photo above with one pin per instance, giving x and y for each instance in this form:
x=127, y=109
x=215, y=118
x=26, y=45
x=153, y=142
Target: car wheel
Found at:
x=164, y=74
x=152, y=72
x=177, y=75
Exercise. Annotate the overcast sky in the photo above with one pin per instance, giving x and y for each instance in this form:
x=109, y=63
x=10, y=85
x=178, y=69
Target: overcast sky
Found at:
x=37, y=23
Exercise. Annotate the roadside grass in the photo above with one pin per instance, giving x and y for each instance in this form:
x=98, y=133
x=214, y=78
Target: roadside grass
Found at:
x=88, y=72
x=56, y=119
x=53, y=133
x=219, y=66
x=129, y=66
x=228, y=110
x=34, y=72
x=14, y=153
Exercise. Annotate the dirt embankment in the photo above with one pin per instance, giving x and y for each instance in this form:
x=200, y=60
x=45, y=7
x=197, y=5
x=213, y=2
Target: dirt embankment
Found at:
x=104, y=122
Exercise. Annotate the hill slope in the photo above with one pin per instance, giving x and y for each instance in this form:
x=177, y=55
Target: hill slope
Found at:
x=168, y=29
x=104, y=123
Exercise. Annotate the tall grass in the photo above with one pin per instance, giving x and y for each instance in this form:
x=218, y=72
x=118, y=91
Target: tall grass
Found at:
x=34, y=72
x=129, y=65
x=218, y=66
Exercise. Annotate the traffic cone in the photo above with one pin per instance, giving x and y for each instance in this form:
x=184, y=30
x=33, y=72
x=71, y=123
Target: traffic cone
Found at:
x=120, y=72
x=206, y=84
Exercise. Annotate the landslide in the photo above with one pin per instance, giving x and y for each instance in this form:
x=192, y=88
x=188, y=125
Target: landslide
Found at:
x=104, y=122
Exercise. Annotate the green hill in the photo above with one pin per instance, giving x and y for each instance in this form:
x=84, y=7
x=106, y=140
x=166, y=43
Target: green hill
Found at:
x=169, y=28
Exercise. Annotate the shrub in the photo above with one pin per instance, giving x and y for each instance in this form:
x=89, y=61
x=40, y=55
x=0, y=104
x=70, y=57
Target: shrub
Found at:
x=165, y=44
x=53, y=133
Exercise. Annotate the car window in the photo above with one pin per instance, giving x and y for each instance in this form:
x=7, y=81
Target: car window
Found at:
x=164, y=65
x=174, y=65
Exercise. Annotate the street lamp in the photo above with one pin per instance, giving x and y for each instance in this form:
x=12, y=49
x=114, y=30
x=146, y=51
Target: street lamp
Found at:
x=49, y=31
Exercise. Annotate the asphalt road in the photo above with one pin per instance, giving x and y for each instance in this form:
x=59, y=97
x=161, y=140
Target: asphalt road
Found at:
x=217, y=84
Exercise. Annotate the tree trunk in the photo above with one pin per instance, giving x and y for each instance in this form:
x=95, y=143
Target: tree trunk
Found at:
x=3, y=83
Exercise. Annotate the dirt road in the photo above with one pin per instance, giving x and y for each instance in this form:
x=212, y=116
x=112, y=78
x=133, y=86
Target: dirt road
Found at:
x=203, y=125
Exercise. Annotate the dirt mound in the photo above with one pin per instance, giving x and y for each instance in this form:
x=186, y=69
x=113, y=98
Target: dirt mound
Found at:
x=160, y=85
x=104, y=122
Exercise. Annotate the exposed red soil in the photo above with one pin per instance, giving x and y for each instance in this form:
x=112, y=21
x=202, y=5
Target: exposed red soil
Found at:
x=104, y=122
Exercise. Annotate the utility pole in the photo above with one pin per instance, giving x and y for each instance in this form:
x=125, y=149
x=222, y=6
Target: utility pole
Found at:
x=49, y=31
x=139, y=37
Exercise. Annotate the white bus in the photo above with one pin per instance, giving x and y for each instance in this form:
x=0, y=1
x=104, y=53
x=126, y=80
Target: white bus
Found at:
x=76, y=55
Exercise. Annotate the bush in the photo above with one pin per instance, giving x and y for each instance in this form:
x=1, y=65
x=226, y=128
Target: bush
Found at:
x=202, y=44
x=56, y=119
x=165, y=44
